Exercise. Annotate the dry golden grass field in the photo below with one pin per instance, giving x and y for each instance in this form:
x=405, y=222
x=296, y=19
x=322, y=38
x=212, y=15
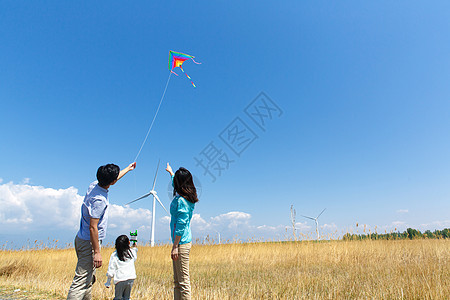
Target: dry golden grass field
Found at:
x=370, y=269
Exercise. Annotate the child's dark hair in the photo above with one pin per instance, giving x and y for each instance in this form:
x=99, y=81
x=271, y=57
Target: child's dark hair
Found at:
x=183, y=184
x=123, y=248
x=107, y=174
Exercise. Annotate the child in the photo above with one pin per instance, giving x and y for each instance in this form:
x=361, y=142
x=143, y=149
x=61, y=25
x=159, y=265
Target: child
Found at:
x=121, y=267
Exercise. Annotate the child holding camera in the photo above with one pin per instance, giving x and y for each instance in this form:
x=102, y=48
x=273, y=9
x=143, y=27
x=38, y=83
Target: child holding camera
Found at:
x=121, y=268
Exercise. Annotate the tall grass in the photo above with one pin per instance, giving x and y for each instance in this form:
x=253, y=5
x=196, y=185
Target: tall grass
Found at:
x=404, y=269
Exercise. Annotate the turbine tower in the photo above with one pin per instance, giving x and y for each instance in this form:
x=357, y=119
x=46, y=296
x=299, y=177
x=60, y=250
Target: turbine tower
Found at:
x=317, y=223
x=293, y=213
x=155, y=197
x=218, y=233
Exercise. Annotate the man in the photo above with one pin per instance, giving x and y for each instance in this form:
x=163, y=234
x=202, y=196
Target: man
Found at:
x=93, y=225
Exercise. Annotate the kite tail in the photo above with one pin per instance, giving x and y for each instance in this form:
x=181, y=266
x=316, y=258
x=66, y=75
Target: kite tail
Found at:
x=173, y=72
x=188, y=77
x=195, y=61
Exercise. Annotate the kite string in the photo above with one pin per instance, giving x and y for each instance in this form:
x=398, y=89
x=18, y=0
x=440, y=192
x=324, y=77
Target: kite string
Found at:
x=154, y=117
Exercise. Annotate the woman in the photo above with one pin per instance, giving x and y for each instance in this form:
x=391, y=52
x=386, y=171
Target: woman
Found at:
x=181, y=209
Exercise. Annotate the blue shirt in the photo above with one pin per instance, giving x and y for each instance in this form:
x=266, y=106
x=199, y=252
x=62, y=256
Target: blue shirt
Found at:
x=95, y=205
x=180, y=222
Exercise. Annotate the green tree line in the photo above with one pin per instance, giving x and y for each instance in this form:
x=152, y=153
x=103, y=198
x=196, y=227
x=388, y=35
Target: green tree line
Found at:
x=409, y=233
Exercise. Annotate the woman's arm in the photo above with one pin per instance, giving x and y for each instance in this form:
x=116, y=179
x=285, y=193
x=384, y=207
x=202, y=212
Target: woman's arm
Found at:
x=169, y=169
x=182, y=218
x=174, y=253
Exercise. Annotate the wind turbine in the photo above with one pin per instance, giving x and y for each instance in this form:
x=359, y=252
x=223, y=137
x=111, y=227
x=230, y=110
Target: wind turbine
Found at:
x=317, y=223
x=293, y=213
x=218, y=234
x=155, y=197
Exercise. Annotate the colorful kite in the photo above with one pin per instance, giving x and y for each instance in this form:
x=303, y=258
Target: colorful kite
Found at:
x=176, y=59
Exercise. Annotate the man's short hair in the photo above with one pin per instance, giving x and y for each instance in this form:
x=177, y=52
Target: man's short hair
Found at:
x=107, y=174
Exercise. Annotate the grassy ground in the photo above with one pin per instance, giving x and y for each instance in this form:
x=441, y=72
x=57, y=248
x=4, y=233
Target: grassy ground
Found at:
x=11, y=293
x=417, y=269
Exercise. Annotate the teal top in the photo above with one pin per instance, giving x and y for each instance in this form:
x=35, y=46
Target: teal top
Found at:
x=181, y=211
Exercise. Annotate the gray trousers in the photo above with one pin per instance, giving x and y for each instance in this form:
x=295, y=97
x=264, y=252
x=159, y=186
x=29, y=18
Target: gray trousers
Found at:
x=123, y=290
x=81, y=287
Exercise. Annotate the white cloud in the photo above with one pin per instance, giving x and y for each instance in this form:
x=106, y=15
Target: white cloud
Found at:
x=197, y=220
x=266, y=227
x=32, y=210
x=236, y=224
x=232, y=220
x=26, y=208
x=126, y=218
x=302, y=226
x=398, y=223
x=228, y=224
x=331, y=226
x=435, y=225
x=402, y=211
x=233, y=215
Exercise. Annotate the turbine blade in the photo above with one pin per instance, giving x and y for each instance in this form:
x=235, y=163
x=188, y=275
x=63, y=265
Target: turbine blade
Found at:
x=308, y=217
x=157, y=198
x=156, y=174
x=142, y=197
x=321, y=213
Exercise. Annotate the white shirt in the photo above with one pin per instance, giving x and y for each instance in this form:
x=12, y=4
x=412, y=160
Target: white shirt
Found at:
x=122, y=270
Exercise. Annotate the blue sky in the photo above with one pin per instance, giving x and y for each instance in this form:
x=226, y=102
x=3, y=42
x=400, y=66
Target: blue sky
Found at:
x=363, y=88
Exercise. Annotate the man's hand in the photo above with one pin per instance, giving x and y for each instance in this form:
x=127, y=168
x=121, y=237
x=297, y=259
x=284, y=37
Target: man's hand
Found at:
x=169, y=169
x=125, y=171
x=174, y=253
x=132, y=166
x=98, y=260
x=93, y=231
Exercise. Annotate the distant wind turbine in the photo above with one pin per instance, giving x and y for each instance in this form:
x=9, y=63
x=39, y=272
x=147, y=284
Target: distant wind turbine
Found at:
x=155, y=197
x=317, y=223
x=218, y=233
x=293, y=213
